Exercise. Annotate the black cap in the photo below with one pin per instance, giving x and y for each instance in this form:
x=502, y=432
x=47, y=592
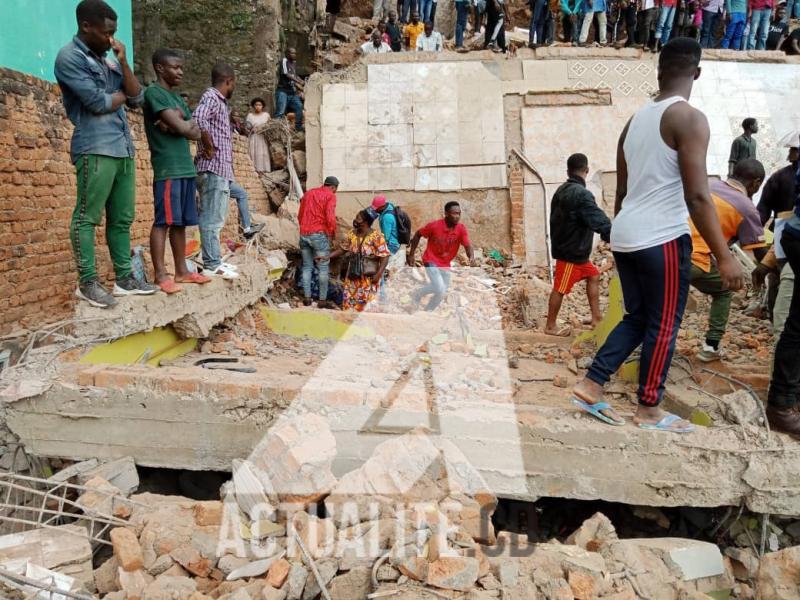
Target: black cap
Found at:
x=331, y=181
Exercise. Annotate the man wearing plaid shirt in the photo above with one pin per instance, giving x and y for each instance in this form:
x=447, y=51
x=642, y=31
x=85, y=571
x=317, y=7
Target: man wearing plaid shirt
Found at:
x=214, y=163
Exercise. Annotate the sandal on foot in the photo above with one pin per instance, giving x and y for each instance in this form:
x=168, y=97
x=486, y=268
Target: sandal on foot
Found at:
x=193, y=278
x=168, y=286
x=668, y=424
x=564, y=331
x=594, y=410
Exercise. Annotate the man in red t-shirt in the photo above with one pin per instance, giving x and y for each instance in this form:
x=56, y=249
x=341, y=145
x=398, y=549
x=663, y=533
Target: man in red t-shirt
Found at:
x=317, y=217
x=445, y=237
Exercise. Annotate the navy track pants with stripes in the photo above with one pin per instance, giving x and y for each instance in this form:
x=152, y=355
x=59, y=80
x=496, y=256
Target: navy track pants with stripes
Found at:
x=655, y=284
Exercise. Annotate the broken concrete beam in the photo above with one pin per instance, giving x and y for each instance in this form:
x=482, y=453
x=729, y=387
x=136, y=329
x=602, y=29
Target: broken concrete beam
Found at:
x=192, y=313
x=120, y=473
x=64, y=549
x=74, y=470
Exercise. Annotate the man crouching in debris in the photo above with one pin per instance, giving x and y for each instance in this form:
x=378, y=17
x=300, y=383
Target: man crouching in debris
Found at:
x=661, y=180
x=95, y=88
x=169, y=127
x=444, y=236
x=574, y=219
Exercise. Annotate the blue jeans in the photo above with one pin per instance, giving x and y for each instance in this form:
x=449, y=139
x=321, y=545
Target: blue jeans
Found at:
x=462, y=11
x=664, y=27
x=759, y=29
x=408, y=7
x=539, y=12
x=734, y=31
x=792, y=10
x=214, y=196
x=289, y=102
x=439, y=282
x=311, y=246
x=710, y=20
x=239, y=194
x=425, y=10
x=655, y=285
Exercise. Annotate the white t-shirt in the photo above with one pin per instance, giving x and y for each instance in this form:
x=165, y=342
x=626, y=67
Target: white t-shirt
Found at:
x=429, y=44
x=369, y=48
x=654, y=211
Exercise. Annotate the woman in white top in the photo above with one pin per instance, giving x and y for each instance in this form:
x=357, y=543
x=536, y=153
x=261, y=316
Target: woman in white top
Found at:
x=256, y=120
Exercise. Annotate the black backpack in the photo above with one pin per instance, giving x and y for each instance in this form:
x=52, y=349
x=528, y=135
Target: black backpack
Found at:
x=403, y=226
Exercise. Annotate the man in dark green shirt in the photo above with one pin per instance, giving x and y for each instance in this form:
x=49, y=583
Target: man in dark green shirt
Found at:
x=169, y=127
x=743, y=146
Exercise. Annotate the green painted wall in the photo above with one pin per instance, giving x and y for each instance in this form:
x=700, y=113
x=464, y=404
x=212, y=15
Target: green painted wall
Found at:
x=33, y=31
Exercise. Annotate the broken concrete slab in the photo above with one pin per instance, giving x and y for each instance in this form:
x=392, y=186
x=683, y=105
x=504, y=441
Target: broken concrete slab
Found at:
x=120, y=473
x=64, y=549
x=192, y=313
x=779, y=574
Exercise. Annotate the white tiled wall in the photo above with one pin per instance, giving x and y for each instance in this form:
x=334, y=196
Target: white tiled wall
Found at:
x=423, y=127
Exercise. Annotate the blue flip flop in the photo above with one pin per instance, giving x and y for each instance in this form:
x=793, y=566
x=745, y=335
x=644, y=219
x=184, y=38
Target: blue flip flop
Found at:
x=594, y=410
x=666, y=423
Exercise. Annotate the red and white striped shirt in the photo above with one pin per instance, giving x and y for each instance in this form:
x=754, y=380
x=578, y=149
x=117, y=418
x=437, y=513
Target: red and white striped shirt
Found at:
x=212, y=116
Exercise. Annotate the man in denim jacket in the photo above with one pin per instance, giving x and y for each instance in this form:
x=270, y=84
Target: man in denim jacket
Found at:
x=94, y=89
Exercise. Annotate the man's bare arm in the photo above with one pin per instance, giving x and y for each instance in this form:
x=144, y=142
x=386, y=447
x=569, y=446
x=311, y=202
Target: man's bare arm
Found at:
x=687, y=128
x=412, y=249
x=173, y=118
x=622, y=171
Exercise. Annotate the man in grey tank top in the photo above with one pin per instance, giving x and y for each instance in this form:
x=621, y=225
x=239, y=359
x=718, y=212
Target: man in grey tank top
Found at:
x=661, y=177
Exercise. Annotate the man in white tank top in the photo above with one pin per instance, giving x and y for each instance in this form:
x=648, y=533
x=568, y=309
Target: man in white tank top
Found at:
x=661, y=180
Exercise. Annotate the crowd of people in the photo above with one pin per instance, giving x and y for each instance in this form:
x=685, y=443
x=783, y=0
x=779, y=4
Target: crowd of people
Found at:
x=648, y=24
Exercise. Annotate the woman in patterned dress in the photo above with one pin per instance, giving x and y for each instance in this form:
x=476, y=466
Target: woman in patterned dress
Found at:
x=360, y=290
x=254, y=125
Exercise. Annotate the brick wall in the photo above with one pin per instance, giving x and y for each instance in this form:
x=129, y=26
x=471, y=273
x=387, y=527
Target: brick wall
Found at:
x=516, y=188
x=37, y=195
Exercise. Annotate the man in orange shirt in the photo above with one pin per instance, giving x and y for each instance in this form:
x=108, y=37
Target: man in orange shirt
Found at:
x=317, y=218
x=741, y=223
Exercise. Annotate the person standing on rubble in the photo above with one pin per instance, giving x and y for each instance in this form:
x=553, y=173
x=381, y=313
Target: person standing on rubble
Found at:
x=445, y=237
x=94, y=88
x=740, y=223
x=317, y=218
x=169, y=127
x=661, y=172
x=214, y=164
x=288, y=90
x=574, y=219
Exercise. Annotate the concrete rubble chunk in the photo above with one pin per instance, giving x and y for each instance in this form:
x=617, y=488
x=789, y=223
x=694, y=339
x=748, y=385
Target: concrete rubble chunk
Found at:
x=265, y=528
x=593, y=533
x=278, y=573
x=99, y=499
x=353, y=584
x=779, y=574
x=270, y=593
x=744, y=562
x=327, y=568
x=413, y=567
x=453, y=573
x=160, y=565
x=318, y=536
x=133, y=583
x=127, y=550
x=175, y=570
x=191, y=560
x=255, y=568
x=120, y=473
x=169, y=588
x=64, y=549
x=208, y=513
x=230, y=563
x=72, y=471
x=297, y=454
x=249, y=491
x=296, y=582
x=105, y=576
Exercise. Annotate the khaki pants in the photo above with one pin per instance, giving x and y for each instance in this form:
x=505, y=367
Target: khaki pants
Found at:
x=783, y=300
x=601, y=25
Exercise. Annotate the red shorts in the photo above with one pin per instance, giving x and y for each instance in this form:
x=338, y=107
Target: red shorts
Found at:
x=568, y=274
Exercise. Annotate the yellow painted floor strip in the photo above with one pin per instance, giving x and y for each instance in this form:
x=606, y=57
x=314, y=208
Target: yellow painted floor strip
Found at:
x=162, y=343
x=320, y=325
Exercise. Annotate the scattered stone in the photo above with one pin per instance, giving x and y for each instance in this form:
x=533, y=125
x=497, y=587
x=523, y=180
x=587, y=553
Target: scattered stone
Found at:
x=254, y=569
x=161, y=565
x=353, y=584
x=98, y=500
x=229, y=563
x=127, y=549
x=560, y=381
x=296, y=582
x=318, y=536
x=105, y=576
x=270, y=593
x=582, y=586
x=744, y=562
x=453, y=573
x=208, y=513
x=169, y=588
x=489, y=582
x=120, y=473
x=779, y=574
x=327, y=569
x=593, y=533
x=265, y=528
x=278, y=573
x=387, y=573
x=413, y=567
x=191, y=560
x=507, y=573
x=133, y=583
x=175, y=571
